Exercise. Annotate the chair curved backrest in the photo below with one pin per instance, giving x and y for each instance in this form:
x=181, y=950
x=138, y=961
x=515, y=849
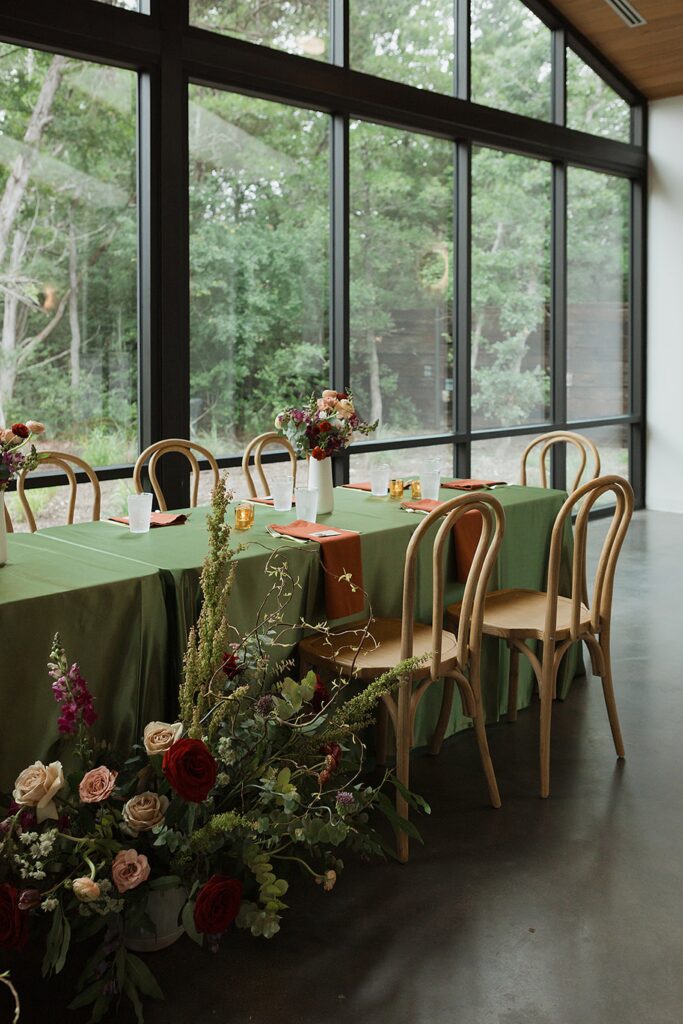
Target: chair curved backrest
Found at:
x=601, y=605
x=8, y=521
x=181, y=447
x=471, y=616
x=255, y=448
x=583, y=445
x=69, y=464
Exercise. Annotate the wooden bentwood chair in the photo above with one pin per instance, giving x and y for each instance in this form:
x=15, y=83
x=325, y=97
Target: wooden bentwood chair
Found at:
x=454, y=658
x=182, y=447
x=583, y=445
x=517, y=616
x=255, y=448
x=68, y=464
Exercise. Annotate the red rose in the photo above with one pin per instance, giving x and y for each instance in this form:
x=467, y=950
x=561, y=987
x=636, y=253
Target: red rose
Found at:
x=13, y=921
x=321, y=695
x=217, y=904
x=20, y=430
x=190, y=769
x=318, y=454
x=324, y=426
x=231, y=663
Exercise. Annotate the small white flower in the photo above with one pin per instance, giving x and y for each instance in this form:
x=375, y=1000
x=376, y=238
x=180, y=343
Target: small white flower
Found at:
x=49, y=904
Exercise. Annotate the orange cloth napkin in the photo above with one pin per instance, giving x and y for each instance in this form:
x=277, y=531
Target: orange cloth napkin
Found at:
x=359, y=487
x=339, y=555
x=466, y=534
x=157, y=519
x=472, y=485
x=261, y=501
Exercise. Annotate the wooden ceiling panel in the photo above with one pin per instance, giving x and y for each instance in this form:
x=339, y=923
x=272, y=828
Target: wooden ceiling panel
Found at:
x=651, y=56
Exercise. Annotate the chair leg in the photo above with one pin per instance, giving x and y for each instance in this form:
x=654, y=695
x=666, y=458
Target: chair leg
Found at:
x=486, y=762
x=513, y=683
x=610, y=702
x=403, y=762
x=547, y=689
x=444, y=717
x=381, y=734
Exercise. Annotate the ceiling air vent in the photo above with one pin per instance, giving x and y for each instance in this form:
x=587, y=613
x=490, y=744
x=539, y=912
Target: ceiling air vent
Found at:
x=627, y=12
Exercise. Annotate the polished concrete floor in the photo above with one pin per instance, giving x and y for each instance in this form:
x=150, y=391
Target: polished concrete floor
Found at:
x=565, y=911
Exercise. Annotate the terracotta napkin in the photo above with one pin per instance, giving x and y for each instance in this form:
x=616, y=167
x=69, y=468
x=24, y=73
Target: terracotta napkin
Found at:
x=466, y=534
x=472, y=485
x=157, y=519
x=261, y=501
x=339, y=555
x=359, y=487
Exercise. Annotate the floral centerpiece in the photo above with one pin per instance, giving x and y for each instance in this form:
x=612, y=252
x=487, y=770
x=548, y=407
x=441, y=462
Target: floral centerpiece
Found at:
x=17, y=453
x=260, y=776
x=317, y=430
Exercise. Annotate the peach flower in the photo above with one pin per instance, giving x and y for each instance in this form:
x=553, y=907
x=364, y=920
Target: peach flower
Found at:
x=129, y=869
x=37, y=787
x=86, y=889
x=96, y=785
x=328, y=400
x=344, y=409
x=35, y=426
x=144, y=812
x=159, y=736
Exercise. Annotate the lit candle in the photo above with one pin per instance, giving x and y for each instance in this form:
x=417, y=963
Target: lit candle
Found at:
x=244, y=516
x=396, y=489
x=415, y=490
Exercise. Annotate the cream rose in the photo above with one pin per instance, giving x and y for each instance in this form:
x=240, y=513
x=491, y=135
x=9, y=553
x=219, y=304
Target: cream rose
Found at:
x=35, y=426
x=344, y=409
x=159, y=736
x=129, y=869
x=37, y=787
x=86, y=890
x=96, y=785
x=144, y=812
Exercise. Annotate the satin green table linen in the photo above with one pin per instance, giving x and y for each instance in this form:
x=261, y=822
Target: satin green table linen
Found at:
x=178, y=551
x=111, y=615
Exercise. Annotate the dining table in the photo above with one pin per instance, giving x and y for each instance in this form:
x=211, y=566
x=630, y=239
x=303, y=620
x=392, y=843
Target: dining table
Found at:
x=123, y=604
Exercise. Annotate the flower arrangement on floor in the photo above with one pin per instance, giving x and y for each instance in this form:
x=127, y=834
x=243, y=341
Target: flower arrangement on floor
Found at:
x=259, y=777
x=324, y=426
x=12, y=459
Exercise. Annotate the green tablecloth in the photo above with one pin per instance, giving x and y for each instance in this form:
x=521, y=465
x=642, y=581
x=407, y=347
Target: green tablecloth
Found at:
x=124, y=604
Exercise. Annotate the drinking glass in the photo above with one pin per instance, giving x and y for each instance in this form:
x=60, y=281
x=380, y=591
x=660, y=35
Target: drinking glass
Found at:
x=281, y=493
x=244, y=515
x=307, y=503
x=139, y=512
x=379, y=479
x=431, y=482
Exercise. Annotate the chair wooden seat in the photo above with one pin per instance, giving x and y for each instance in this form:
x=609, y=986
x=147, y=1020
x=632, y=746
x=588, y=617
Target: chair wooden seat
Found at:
x=520, y=614
x=380, y=649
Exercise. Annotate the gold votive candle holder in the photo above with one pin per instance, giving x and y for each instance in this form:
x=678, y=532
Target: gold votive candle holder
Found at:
x=244, y=516
x=415, y=490
x=396, y=488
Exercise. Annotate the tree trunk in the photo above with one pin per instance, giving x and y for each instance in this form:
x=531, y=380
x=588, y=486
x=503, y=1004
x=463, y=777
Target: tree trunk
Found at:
x=20, y=173
x=74, y=325
x=375, y=384
x=8, y=344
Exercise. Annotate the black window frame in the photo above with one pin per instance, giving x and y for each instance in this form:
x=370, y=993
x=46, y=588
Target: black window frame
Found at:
x=168, y=54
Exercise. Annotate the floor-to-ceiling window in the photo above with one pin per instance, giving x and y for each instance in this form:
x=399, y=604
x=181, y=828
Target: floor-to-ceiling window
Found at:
x=207, y=212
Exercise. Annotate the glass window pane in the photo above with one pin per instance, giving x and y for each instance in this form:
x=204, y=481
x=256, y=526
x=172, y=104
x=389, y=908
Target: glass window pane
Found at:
x=500, y=458
x=415, y=45
x=511, y=213
x=511, y=60
x=612, y=443
x=128, y=5
x=297, y=26
x=598, y=220
x=402, y=462
x=592, y=106
x=68, y=252
x=259, y=238
x=401, y=203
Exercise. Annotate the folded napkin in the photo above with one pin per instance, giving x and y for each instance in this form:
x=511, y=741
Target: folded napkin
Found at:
x=472, y=485
x=340, y=555
x=157, y=519
x=261, y=501
x=359, y=487
x=466, y=534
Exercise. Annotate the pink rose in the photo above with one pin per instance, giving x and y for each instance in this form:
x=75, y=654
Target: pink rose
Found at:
x=37, y=787
x=129, y=869
x=86, y=889
x=96, y=785
x=344, y=409
x=328, y=400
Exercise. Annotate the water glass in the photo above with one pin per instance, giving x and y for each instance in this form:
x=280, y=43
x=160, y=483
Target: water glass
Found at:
x=139, y=512
x=307, y=503
x=379, y=479
x=281, y=493
x=431, y=482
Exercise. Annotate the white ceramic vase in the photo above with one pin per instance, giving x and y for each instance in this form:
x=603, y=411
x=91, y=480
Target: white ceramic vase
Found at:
x=163, y=909
x=320, y=478
x=3, y=530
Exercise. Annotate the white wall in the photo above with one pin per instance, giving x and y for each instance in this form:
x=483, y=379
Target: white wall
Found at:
x=665, y=308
